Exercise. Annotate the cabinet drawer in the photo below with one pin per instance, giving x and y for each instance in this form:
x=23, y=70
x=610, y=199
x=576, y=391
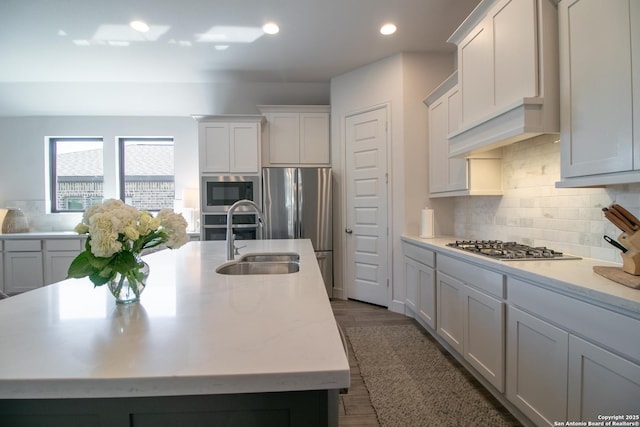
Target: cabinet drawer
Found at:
x=486, y=280
x=23, y=245
x=614, y=330
x=422, y=255
x=63, y=245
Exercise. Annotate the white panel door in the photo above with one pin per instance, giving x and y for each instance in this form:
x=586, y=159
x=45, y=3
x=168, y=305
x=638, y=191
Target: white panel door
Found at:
x=367, y=228
x=450, y=313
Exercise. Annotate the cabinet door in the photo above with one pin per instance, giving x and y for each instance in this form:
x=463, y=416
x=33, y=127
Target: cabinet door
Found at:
x=445, y=174
x=514, y=26
x=214, y=147
x=22, y=271
x=314, y=138
x=596, y=87
x=284, y=138
x=56, y=265
x=475, y=62
x=412, y=283
x=484, y=335
x=537, y=367
x=427, y=295
x=600, y=382
x=450, y=310
x=243, y=147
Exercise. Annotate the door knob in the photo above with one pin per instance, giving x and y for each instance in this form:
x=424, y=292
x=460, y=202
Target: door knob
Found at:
x=348, y=230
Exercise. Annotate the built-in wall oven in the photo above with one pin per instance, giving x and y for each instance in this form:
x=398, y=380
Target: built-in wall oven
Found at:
x=218, y=194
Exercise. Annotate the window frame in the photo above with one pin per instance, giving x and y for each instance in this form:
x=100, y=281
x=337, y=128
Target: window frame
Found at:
x=121, y=160
x=53, y=167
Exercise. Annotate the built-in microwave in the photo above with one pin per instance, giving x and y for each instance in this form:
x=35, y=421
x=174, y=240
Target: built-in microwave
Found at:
x=221, y=191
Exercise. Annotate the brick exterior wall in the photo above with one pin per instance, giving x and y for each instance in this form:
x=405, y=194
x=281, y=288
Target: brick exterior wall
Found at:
x=149, y=195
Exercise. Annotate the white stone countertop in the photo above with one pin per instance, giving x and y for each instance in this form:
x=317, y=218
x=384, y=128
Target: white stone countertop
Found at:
x=575, y=277
x=194, y=332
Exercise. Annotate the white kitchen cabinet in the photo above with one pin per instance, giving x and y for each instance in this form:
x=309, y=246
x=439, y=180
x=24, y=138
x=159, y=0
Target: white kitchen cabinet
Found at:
x=593, y=373
x=296, y=135
x=471, y=315
x=22, y=265
x=229, y=144
x=450, y=310
x=58, y=255
x=537, y=367
x=478, y=174
x=420, y=287
x=586, y=357
x=600, y=93
x=507, y=71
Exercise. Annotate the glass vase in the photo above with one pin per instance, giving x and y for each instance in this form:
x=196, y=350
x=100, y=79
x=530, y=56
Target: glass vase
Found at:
x=126, y=288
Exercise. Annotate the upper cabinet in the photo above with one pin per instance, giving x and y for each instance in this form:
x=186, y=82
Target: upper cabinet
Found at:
x=507, y=74
x=600, y=92
x=296, y=135
x=229, y=144
x=480, y=174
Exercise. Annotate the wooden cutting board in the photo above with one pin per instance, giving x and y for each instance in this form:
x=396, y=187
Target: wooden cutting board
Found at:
x=618, y=275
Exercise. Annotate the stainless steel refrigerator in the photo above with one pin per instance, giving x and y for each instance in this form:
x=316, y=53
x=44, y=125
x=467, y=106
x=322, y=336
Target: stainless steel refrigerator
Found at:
x=297, y=205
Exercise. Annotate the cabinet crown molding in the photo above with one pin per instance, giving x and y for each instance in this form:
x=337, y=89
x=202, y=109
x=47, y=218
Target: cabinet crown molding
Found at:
x=265, y=109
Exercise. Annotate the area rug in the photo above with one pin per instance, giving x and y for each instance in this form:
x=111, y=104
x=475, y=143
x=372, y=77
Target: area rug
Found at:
x=412, y=383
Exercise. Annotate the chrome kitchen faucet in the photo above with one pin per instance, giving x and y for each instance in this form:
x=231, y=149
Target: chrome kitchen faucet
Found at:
x=230, y=235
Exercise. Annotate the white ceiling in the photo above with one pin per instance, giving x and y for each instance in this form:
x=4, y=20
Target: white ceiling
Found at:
x=319, y=39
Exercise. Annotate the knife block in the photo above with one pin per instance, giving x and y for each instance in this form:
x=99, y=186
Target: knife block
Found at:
x=631, y=258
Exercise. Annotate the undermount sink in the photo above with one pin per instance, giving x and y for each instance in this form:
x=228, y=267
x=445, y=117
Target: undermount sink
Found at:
x=241, y=267
x=270, y=257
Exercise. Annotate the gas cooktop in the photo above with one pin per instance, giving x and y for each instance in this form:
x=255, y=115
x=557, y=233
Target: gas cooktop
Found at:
x=509, y=251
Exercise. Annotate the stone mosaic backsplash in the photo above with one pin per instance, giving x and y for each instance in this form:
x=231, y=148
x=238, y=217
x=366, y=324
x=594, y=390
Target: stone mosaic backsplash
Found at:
x=534, y=212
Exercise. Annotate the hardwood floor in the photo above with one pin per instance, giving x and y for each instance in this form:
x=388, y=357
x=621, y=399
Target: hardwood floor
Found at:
x=355, y=408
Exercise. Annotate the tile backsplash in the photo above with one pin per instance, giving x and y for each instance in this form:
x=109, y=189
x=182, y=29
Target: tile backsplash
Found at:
x=534, y=212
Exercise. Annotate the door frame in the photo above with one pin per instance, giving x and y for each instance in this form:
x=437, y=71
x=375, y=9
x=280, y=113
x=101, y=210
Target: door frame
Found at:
x=344, y=211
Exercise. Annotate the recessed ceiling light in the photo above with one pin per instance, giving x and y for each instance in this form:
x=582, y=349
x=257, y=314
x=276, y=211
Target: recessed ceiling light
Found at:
x=139, y=26
x=271, y=28
x=388, y=29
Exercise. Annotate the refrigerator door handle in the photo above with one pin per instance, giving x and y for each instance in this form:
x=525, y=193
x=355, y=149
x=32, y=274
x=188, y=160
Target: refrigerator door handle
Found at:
x=299, y=232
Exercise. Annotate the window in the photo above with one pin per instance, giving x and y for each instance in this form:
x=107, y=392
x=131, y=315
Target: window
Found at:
x=147, y=172
x=76, y=173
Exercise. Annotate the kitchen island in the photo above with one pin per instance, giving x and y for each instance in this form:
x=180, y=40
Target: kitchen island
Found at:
x=199, y=348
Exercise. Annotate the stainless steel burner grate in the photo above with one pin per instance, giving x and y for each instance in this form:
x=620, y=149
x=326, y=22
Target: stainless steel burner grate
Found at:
x=509, y=251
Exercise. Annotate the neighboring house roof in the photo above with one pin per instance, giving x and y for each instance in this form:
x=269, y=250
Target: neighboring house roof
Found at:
x=144, y=160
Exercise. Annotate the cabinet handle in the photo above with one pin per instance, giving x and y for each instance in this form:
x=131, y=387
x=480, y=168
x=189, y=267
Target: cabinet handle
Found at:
x=348, y=230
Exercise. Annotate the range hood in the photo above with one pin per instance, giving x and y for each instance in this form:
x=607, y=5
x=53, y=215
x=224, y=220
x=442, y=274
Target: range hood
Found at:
x=522, y=120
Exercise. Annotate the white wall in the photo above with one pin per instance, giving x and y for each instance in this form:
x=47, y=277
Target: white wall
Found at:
x=152, y=99
x=534, y=212
x=29, y=112
x=401, y=82
x=23, y=164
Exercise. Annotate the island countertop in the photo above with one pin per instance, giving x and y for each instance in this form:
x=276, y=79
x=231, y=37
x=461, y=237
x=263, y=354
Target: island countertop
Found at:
x=194, y=332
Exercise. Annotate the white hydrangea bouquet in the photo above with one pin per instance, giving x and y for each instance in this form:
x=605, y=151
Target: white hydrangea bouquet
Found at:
x=117, y=234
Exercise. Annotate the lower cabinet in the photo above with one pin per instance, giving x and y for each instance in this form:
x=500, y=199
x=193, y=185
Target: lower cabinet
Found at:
x=58, y=256
x=537, y=368
x=420, y=288
x=568, y=359
x=470, y=319
x=601, y=382
x=22, y=265
x=32, y=263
